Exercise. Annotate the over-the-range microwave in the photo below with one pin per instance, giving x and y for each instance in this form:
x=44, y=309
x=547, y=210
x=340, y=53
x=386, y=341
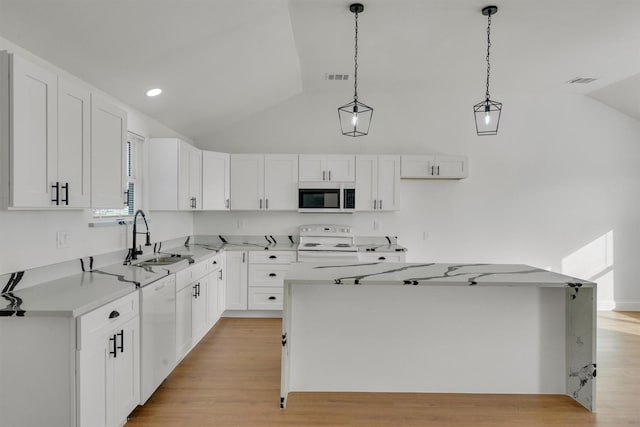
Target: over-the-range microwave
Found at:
x=326, y=197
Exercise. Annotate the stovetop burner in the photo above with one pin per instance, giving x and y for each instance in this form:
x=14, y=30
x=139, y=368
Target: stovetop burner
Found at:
x=311, y=245
x=343, y=245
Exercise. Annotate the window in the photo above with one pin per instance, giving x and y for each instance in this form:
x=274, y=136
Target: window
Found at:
x=134, y=143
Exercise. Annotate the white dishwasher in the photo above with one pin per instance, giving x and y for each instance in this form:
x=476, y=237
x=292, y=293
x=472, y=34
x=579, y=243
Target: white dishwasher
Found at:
x=157, y=334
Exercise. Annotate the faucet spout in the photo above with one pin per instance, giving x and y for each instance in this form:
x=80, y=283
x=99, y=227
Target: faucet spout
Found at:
x=134, y=250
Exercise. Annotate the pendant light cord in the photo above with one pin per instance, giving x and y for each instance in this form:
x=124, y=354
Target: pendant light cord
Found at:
x=355, y=60
x=488, y=53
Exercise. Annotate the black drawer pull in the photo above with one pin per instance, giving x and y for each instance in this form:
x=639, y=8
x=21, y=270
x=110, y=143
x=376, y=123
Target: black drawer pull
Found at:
x=273, y=257
x=113, y=314
x=121, y=334
x=272, y=274
x=114, y=352
x=382, y=258
x=272, y=298
x=215, y=262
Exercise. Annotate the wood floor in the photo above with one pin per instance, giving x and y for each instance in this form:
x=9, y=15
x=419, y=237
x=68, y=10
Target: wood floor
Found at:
x=232, y=378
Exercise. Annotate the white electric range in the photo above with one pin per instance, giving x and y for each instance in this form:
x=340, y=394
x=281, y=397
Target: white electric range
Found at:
x=322, y=243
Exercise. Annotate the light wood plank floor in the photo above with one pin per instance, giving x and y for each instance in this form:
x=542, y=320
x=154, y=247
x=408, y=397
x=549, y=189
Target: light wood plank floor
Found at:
x=232, y=378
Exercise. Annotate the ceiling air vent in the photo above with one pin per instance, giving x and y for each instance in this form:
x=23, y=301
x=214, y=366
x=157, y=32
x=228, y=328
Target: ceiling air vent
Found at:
x=583, y=80
x=333, y=76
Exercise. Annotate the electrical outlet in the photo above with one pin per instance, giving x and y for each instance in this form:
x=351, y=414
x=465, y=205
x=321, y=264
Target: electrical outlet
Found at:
x=241, y=223
x=62, y=239
x=425, y=235
x=376, y=224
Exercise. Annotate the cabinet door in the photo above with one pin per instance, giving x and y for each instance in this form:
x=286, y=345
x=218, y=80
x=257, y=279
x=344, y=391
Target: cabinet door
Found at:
x=184, y=175
x=388, y=183
x=195, y=178
x=417, y=166
x=366, y=183
x=125, y=370
x=211, y=282
x=313, y=168
x=236, y=280
x=92, y=376
x=341, y=168
x=74, y=144
x=451, y=166
x=281, y=182
x=183, y=322
x=199, y=310
x=215, y=181
x=108, y=136
x=247, y=181
x=164, y=159
x=34, y=143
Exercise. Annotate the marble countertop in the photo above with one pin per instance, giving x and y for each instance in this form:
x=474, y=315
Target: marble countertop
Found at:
x=429, y=274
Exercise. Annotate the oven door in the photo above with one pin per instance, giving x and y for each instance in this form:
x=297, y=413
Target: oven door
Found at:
x=327, y=256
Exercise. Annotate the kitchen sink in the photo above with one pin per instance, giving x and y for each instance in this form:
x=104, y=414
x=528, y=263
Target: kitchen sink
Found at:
x=164, y=260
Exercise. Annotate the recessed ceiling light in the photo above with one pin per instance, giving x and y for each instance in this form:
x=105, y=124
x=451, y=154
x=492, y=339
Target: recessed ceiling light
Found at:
x=154, y=92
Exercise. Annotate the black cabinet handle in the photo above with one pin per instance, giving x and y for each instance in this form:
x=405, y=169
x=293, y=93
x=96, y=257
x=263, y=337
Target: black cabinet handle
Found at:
x=113, y=352
x=272, y=297
x=273, y=257
x=272, y=274
x=198, y=285
x=57, y=199
x=65, y=187
x=382, y=258
x=214, y=262
x=113, y=314
x=121, y=334
x=195, y=291
x=126, y=198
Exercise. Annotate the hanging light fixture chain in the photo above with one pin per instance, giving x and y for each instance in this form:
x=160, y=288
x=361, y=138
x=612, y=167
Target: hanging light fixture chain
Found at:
x=355, y=61
x=488, y=52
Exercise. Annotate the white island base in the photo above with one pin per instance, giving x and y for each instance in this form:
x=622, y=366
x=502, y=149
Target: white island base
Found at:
x=438, y=328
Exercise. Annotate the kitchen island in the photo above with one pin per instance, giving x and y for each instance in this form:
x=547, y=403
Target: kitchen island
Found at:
x=438, y=328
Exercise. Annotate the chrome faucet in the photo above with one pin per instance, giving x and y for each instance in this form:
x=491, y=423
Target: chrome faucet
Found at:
x=134, y=252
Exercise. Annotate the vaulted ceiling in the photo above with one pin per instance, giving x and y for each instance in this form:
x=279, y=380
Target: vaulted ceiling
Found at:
x=219, y=61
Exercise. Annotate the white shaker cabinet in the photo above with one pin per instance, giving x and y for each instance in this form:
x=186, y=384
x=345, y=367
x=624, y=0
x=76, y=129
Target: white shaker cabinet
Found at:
x=377, y=183
x=215, y=291
x=45, y=140
x=434, y=167
x=327, y=168
x=264, y=182
x=190, y=307
x=215, y=181
x=175, y=175
x=108, y=363
x=108, y=155
x=235, y=268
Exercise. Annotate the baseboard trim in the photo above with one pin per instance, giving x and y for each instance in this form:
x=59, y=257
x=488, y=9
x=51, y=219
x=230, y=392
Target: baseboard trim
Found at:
x=253, y=313
x=627, y=306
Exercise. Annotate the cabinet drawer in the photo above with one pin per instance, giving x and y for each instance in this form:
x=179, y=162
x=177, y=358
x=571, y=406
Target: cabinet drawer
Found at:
x=107, y=317
x=191, y=274
x=272, y=257
x=267, y=275
x=381, y=257
x=264, y=298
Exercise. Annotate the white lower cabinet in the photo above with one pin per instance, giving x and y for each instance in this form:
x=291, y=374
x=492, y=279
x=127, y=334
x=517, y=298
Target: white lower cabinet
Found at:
x=381, y=256
x=266, y=278
x=108, y=363
x=215, y=291
x=191, y=312
x=236, y=280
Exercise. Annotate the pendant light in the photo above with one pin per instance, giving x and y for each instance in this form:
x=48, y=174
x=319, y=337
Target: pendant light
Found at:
x=355, y=117
x=487, y=112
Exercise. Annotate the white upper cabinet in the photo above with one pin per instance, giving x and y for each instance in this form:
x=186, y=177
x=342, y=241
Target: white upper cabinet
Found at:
x=281, y=182
x=175, y=175
x=189, y=177
x=45, y=139
x=264, y=182
x=74, y=143
x=434, y=167
x=108, y=156
x=215, y=181
x=327, y=168
x=377, y=182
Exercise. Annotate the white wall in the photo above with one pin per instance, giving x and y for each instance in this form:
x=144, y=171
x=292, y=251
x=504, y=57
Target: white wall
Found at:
x=557, y=188
x=29, y=237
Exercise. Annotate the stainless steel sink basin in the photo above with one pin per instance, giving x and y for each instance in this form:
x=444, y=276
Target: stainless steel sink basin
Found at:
x=163, y=260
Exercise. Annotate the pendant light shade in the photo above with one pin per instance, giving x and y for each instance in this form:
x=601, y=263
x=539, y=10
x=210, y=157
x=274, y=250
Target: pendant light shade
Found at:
x=355, y=117
x=487, y=112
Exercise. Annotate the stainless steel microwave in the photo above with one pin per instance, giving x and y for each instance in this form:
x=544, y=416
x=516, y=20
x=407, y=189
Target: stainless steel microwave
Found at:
x=327, y=198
